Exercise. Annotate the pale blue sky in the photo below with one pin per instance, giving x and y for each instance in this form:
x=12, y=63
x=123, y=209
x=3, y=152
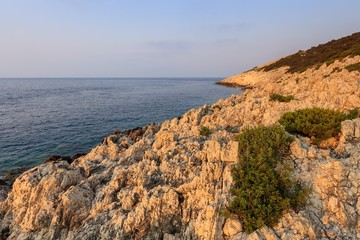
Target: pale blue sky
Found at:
x=161, y=38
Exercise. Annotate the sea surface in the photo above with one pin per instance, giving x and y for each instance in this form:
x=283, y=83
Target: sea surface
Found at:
x=44, y=117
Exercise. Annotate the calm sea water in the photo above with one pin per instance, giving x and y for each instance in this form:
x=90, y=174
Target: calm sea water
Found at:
x=44, y=117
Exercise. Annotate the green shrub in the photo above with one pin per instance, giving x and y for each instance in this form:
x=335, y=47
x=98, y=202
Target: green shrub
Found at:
x=353, y=113
x=263, y=187
x=204, y=131
x=281, y=98
x=353, y=67
x=217, y=107
x=317, y=123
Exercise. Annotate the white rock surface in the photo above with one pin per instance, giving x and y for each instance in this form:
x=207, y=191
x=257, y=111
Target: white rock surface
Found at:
x=169, y=182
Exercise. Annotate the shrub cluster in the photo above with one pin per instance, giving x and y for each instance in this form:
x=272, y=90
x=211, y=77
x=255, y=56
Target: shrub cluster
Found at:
x=204, y=131
x=281, y=98
x=353, y=67
x=263, y=187
x=317, y=123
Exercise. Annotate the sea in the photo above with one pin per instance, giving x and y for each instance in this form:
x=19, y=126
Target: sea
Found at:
x=41, y=117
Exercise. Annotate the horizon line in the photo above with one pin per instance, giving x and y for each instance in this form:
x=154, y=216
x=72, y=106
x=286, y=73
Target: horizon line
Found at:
x=107, y=77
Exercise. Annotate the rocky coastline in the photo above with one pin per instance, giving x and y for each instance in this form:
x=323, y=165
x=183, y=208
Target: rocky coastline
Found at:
x=233, y=85
x=168, y=181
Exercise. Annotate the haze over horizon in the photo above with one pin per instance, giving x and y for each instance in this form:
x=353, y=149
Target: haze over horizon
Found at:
x=78, y=38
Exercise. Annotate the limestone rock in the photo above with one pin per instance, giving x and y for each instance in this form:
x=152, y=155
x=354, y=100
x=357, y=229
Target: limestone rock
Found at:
x=232, y=227
x=297, y=150
x=4, y=190
x=166, y=181
x=356, y=128
x=348, y=129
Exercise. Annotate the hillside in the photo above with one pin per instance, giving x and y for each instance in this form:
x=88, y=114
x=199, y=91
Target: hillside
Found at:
x=328, y=53
x=172, y=180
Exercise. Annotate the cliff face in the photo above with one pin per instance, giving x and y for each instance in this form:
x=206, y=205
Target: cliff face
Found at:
x=167, y=181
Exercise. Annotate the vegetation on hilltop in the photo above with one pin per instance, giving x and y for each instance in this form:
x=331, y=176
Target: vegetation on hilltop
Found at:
x=263, y=187
x=316, y=123
x=281, y=98
x=316, y=56
x=353, y=67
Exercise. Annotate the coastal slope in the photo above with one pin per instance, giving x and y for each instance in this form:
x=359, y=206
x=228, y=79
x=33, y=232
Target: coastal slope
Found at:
x=171, y=181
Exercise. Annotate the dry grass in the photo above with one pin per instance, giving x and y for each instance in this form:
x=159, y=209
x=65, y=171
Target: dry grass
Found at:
x=316, y=56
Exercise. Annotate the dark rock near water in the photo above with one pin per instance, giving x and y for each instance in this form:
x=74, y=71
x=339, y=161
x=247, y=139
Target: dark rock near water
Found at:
x=136, y=133
x=57, y=158
x=116, y=132
x=76, y=156
x=11, y=175
x=3, y=182
x=4, y=233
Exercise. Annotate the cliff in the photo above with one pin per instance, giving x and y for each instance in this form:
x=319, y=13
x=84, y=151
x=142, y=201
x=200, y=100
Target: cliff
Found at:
x=169, y=181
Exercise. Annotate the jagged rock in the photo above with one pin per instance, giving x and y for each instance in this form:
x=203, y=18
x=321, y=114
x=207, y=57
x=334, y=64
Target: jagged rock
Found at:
x=329, y=143
x=232, y=227
x=348, y=129
x=2, y=182
x=11, y=175
x=297, y=150
x=357, y=128
x=4, y=190
x=57, y=158
x=165, y=181
x=76, y=156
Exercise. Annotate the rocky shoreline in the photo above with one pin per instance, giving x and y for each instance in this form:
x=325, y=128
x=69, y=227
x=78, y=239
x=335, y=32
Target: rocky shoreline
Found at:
x=233, y=85
x=168, y=181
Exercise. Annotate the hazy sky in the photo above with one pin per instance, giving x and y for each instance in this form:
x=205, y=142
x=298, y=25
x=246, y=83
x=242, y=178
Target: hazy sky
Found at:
x=160, y=38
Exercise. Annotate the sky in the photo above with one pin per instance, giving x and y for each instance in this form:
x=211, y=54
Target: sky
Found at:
x=162, y=38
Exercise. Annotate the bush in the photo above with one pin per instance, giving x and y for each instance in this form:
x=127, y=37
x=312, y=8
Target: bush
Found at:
x=281, y=98
x=204, y=131
x=353, y=67
x=317, y=123
x=217, y=107
x=263, y=187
